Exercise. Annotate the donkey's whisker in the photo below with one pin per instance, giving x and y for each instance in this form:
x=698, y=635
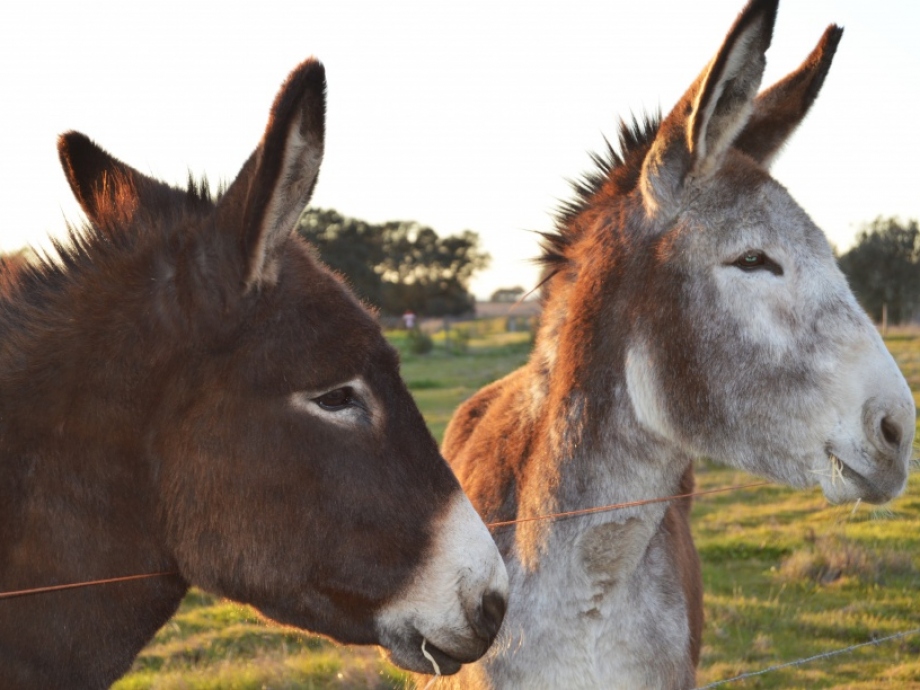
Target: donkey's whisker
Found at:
x=855, y=507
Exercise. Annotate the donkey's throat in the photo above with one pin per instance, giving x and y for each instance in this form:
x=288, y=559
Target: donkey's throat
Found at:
x=611, y=551
x=619, y=612
x=610, y=557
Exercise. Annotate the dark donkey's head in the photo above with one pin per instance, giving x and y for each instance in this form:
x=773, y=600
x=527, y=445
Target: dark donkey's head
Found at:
x=718, y=298
x=208, y=357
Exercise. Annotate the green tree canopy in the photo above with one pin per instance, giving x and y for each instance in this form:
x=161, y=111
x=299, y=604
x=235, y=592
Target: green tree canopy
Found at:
x=399, y=265
x=884, y=268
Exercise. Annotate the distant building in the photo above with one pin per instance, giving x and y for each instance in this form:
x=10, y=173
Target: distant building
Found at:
x=507, y=294
x=492, y=310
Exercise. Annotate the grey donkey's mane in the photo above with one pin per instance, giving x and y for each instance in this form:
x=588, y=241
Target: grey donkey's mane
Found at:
x=615, y=173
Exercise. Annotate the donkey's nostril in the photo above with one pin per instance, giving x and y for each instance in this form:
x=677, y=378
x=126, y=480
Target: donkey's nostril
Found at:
x=891, y=431
x=492, y=613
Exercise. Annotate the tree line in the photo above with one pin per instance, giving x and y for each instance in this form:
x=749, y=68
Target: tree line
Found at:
x=883, y=268
x=402, y=266
x=398, y=266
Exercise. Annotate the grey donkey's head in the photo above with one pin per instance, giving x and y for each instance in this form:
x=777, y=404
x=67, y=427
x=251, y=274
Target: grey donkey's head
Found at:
x=740, y=338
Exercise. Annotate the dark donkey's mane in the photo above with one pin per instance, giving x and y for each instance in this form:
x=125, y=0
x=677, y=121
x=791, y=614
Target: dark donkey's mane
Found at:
x=30, y=284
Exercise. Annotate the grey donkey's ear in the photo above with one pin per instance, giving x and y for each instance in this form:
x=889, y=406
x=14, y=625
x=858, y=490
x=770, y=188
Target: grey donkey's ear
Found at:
x=275, y=184
x=695, y=136
x=782, y=107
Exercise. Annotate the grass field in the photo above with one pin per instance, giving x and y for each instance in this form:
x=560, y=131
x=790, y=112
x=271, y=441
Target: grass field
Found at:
x=786, y=575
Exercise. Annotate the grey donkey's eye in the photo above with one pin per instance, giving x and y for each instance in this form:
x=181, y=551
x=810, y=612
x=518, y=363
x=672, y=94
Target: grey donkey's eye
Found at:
x=757, y=261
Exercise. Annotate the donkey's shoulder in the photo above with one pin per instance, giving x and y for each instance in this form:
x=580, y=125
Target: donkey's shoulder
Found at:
x=472, y=413
x=487, y=443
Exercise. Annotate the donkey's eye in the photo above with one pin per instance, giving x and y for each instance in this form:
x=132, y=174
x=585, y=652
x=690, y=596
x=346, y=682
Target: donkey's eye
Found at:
x=338, y=399
x=757, y=261
x=751, y=260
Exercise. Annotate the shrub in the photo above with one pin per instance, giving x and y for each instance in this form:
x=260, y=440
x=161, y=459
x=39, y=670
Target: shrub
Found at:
x=829, y=558
x=458, y=341
x=420, y=343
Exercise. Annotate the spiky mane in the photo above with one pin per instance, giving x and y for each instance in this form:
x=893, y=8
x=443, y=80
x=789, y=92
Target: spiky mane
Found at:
x=28, y=283
x=615, y=173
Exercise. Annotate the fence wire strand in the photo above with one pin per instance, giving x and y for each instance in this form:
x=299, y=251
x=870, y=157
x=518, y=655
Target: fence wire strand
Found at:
x=800, y=662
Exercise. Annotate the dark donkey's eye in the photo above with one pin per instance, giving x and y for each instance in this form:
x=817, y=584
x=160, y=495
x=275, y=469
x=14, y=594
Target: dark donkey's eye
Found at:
x=337, y=400
x=757, y=261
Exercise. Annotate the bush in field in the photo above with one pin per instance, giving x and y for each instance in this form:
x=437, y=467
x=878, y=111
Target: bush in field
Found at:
x=829, y=558
x=457, y=341
x=420, y=343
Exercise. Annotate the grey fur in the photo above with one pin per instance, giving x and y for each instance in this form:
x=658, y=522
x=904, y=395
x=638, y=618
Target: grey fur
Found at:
x=659, y=345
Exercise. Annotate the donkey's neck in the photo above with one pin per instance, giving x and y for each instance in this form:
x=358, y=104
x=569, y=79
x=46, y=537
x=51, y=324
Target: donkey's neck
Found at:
x=84, y=374
x=593, y=449
x=609, y=580
x=583, y=384
x=79, y=495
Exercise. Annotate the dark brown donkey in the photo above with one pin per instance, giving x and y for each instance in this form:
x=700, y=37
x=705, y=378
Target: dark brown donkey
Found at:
x=187, y=389
x=692, y=309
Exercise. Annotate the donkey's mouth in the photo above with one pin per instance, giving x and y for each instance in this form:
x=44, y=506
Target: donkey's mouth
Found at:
x=441, y=663
x=411, y=655
x=860, y=488
x=411, y=651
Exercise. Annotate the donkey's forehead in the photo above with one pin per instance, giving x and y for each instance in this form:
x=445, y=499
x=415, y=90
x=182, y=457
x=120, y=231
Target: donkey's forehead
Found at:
x=742, y=208
x=311, y=317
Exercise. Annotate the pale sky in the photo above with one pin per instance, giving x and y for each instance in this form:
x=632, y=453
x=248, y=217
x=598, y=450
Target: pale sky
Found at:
x=460, y=115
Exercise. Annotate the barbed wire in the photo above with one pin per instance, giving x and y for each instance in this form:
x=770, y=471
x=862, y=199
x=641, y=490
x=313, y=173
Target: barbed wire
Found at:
x=800, y=662
x=85, y=583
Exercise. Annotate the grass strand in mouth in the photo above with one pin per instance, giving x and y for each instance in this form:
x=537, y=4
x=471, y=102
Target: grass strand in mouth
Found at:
x=836, y=469
x=437, y=669
x=835, y=472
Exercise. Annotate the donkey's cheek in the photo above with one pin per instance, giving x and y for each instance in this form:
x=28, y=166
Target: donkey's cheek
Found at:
x=645, y=393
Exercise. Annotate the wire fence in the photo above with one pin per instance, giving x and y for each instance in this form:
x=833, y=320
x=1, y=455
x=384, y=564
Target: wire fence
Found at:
x=696, y=494
x=815, y=657
x=553, y=516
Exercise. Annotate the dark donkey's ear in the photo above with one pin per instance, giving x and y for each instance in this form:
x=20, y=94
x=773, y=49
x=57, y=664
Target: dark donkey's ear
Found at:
x=109, y=191
x=275, y=184
x=782, y=107
x=695, y=136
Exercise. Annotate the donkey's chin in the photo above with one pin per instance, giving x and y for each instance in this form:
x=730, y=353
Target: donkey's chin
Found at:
x=407, y=653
